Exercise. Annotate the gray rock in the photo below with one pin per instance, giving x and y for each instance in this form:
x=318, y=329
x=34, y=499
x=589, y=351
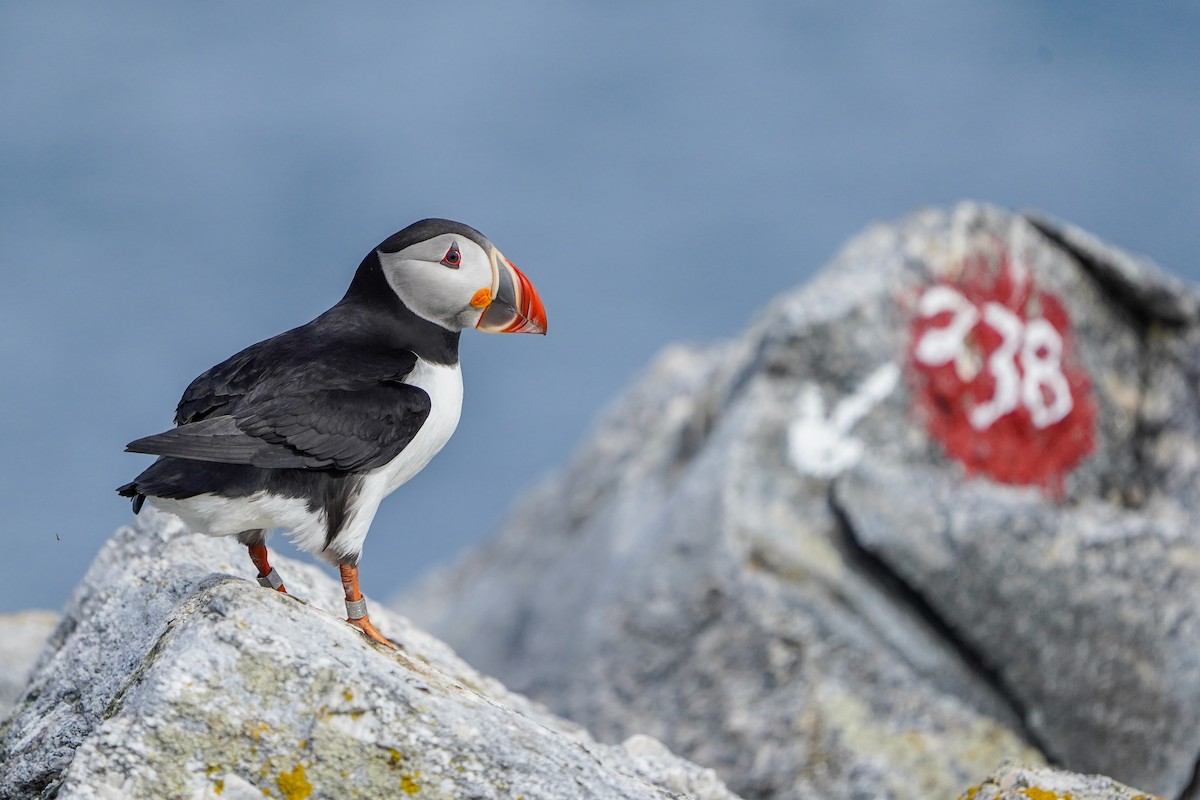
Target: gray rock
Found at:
x=767, y=557
x=1101, y=610
x=22, y=636
x=168, y=681
x=1012, y=782
x=1138, y=282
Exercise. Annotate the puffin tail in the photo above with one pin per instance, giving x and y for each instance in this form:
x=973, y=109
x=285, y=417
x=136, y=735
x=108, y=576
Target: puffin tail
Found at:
x=131, y=490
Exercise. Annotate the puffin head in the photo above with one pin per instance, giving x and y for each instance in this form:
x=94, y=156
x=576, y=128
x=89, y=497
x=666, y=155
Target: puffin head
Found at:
x=450, y=274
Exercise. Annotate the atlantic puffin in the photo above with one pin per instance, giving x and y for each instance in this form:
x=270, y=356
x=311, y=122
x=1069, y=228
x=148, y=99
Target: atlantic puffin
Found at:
x=309, y=430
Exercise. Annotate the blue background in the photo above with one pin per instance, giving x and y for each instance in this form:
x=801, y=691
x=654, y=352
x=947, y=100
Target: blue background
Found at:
x=178, y=181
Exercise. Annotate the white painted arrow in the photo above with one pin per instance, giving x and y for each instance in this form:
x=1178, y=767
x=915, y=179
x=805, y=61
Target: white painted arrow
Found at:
x=821, y=445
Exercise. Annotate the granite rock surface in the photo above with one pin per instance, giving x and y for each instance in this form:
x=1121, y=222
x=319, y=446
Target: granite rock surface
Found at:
x=934, y=510
x=167, y=680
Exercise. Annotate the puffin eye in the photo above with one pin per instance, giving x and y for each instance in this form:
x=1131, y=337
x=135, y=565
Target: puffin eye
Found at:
x=452, y=258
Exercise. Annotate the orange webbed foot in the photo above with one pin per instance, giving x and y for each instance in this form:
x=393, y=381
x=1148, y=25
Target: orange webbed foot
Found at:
x=364, y=625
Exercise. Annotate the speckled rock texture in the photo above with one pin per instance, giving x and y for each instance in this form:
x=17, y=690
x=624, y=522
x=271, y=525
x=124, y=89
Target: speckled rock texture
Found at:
x=166, y=680
x=1021, y=783
x=22, y=636
x=934, y=510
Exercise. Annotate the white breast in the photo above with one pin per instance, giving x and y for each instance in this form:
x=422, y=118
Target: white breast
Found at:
x=445, y=389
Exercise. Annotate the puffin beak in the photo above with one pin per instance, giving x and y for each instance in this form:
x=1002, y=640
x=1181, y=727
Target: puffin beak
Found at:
x=515, y=306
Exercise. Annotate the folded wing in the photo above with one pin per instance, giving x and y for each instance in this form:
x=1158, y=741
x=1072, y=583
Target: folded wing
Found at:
x=350, y=429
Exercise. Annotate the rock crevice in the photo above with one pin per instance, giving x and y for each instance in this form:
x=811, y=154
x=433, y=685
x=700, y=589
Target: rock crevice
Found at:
x=906, y=596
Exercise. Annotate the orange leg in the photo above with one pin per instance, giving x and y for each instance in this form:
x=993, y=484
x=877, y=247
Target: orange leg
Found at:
x=267, y=576
x=356, y=606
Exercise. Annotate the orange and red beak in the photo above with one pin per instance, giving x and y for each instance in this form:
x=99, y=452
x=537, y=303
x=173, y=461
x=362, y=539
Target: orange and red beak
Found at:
x=515, y=306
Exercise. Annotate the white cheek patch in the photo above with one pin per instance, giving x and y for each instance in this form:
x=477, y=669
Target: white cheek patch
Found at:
x=413, y=282
x=470, y=318
x=437, y=293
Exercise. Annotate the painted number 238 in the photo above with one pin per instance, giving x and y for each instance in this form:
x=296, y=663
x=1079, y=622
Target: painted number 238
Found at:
x=1037, y=383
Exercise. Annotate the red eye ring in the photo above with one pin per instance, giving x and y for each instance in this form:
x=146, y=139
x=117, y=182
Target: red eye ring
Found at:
x=452, y=258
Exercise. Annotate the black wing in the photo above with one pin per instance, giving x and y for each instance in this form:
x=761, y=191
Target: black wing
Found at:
x=224, y=386
x=351, y=430
x=288, y=402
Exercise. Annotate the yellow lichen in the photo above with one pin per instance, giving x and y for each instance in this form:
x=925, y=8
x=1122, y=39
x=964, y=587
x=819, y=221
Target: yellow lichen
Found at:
x=258, y=730
x=394, y=757
x=219, y=786
x=294, y=784
x=409, y=783
x=349, y=695
x=1035, y=793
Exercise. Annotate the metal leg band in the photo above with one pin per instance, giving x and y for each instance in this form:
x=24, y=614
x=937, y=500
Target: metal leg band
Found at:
x=356, y=609
x=271, y=580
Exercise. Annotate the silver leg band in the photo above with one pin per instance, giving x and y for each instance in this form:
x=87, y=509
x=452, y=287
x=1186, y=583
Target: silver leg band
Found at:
x=271, y=580
x=356, y=609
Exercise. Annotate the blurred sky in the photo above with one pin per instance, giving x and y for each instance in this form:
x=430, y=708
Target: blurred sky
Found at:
x=178, y=181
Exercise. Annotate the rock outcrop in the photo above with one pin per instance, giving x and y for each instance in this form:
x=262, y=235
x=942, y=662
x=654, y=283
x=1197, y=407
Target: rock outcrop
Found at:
x=165, y=680
x=934, y=510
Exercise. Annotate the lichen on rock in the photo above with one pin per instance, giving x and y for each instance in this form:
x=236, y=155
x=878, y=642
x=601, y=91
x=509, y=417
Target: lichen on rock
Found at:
x=1013, y=782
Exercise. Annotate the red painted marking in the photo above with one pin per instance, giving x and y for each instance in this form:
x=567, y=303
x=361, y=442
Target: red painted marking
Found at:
x=994, y=375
